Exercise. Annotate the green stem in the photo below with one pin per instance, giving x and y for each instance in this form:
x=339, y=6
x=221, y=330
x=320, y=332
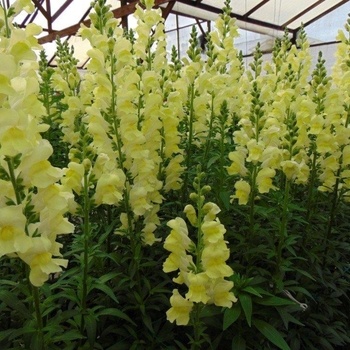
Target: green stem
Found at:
x=8, y=31
x=335, y=200
x=161, y=153
x=210, y=134
x=13, y=179
x=310, y=200
x=199, y=246
x=86, y=236
x=222, y=155
x=39, y=320
x=113, y=109
x=197, y=327
x=283, y=228
x=252, y=203
x=109, y=221
x=135, y=240
x=331, y=219
x=189, y=144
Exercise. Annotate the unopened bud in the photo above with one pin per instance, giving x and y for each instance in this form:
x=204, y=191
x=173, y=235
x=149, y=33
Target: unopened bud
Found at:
x=87, y=164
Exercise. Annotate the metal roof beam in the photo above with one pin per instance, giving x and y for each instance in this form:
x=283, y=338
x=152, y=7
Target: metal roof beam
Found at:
x=118, y=13
x=242, y=18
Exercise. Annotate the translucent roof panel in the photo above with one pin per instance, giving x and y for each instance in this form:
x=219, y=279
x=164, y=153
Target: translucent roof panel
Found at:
x=340, y=8
x=332, y=22
x=271, y=12
x=266, y=18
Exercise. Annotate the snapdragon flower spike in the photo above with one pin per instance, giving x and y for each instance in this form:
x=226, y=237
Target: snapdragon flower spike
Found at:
x=32, y=203
x=201, y=262
x=338, y=108
x=256, y=156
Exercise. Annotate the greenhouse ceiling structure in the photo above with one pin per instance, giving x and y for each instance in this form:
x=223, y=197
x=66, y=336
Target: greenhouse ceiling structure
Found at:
x=259, y=21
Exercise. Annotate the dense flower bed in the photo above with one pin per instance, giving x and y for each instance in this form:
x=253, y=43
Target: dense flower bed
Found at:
x=155, y=193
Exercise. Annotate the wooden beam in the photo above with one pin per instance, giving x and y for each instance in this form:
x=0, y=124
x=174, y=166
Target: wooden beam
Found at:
x=61, y=9
x=200, y=27
x=310, y=8
x=41, y=9
x=124, y=21
x=255, y=8
x=49, y=20
x=166, y=11
x=326, y=12
x=239, y=17
x=118, y=13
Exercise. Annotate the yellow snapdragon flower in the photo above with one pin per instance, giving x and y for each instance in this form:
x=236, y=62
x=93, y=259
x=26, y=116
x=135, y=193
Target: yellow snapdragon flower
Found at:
x=197, y=287
x=264, y=180
x=242, y=192
x=12, y=230
x=220, y=293
x=109, y=188
x=180, y=309
x=213, y=231
x=40, y=259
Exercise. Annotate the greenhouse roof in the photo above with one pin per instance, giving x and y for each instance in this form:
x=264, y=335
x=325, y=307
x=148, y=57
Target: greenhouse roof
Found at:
x=267, y=17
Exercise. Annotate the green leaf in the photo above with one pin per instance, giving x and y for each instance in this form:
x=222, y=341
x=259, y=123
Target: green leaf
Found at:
x=67, y=336
x=212, y=160
x=116, y=313
x=253, y=291
x=275, y=301
x=180, y=345
x=271, y=334
x=238, y=343
x=287, y=317
x=148, y=322
x=247, y=306
x=105, y=278
x=15, y=304
x=107, y=290
x=91, y=325
x=37, y=341
x=225, y=197
x=5, y=334
x=231, y=315
x=305, y=273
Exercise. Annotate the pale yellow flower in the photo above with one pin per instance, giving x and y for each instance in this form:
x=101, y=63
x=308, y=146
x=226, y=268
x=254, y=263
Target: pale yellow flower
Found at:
x=177, y=262
x=13, y=141
x=180, y=309
x=213, y=260
x=39, y=258
x=109, y=188
x=73, y=177
x=210, y=210
x=264, y=180
x=7, y=192
x=220, y=293
x=197, y=287
x=139, y=200
x=272, y=157
x=237, y=167
x=191, y=214
x=213, y=231
x=255, y=150
x=242, y=192
x=290, y=169
x=178, y=238
x=346, y=155
x=173, y=172
x=12, y=230
x=53, y=223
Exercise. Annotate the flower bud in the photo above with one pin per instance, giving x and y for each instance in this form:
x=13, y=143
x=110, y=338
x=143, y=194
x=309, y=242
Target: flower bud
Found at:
x=87, y=164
